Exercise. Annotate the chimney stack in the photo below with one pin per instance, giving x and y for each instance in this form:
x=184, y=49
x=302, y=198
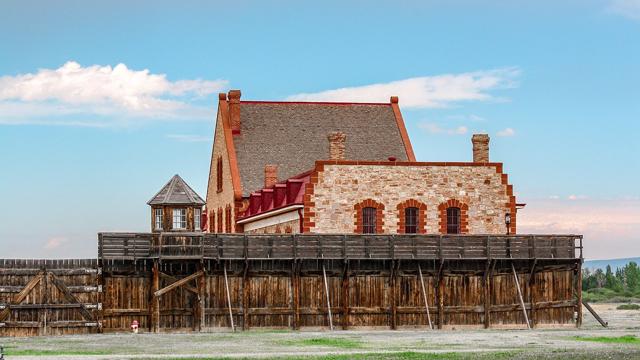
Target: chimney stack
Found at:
x=270, y=175
x=480, y=147
x=234, y=110
x=336, y=145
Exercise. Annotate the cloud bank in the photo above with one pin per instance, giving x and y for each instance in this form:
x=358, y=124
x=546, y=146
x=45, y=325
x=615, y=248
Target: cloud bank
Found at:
x=438, y=91
x=626, y=8
x=77, y=95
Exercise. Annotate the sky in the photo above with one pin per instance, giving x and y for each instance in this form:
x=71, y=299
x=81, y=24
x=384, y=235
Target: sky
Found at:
x=102, y=102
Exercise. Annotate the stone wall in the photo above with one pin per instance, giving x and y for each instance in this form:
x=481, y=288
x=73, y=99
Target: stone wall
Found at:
x=288, y=227
x=332, y=197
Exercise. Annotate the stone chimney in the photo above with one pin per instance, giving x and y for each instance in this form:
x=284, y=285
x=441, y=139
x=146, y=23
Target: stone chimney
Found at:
x=336, y=145
x=480, y=147
x=234, y=110
x=270, y=175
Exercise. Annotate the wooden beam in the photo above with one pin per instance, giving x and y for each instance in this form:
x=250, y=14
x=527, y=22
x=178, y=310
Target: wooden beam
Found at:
x=440, y=295
x=393, y=318
x=178, y=283
x=246, y=283
x=595, y=315
x=198, y=305
x=326, y=290
x=345, y=295
x=295, y=293
x=22, y=294
x=487, y=278
x=424, y=296
x=174, y=279
x=578, y=275
x=533, y=295
x=69, y=297
x=524, y=309
x=155, y=300
x=226, y=286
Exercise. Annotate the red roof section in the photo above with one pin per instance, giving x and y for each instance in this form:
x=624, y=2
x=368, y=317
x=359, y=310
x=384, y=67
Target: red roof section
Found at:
x=282, y=194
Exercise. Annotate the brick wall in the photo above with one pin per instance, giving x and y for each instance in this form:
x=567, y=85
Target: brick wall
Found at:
x=481, y=190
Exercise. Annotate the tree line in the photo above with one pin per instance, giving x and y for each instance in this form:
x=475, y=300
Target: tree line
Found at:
x=625, y=279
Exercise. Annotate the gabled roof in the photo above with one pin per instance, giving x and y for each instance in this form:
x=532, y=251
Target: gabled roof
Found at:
x=176, y=192
x=293, y=135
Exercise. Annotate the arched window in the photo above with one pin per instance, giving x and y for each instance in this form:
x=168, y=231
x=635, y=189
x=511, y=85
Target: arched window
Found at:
x=220, y=220
x=368, y=217
x=411, y=220
x=453, y=220
x=369, y=220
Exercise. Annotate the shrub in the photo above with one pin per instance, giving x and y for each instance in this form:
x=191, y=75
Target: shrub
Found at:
x=628, y=307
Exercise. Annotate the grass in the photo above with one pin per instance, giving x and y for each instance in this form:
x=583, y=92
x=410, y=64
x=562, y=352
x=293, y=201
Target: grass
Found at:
x=40, y=352
x=341, y=343
x=407, y=355
x=626, y=339
x=608, y=295
x=628, y=307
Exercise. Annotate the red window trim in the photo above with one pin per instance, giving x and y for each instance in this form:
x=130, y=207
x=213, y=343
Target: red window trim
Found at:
x=464, y=215
x=219, y=173
x=422, y=215
x=358, y=215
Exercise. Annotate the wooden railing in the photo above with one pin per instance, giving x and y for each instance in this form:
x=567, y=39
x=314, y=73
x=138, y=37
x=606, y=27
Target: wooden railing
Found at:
x=169, y=245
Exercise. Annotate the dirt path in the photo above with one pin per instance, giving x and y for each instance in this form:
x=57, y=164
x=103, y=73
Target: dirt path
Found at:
x=547, y=343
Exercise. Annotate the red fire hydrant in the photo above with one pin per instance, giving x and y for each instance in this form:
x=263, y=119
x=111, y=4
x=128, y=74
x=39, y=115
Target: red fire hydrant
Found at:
x=134, y=326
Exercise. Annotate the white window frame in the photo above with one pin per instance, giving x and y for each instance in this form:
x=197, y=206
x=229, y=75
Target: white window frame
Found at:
x=197, y=215
x=157, y=216
x=179, y=218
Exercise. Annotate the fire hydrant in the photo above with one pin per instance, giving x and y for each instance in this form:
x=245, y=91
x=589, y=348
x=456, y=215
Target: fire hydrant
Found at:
x=134, y=326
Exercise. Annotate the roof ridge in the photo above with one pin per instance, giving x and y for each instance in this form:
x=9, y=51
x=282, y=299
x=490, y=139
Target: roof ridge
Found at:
x=310, y=102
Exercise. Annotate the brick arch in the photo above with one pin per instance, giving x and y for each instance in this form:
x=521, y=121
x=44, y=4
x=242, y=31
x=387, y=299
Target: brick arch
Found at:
x=464, y=215
x=422, y=217
x=379, y=214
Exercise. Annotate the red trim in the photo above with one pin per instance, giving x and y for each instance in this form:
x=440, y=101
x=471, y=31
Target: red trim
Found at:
x=379, y=215
x=498, y=166
x=464, y=215
x=309, y=103
x=422, y=215
x=403, y=129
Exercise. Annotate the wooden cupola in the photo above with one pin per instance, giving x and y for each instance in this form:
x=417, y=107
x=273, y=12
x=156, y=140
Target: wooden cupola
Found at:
x=176, y=207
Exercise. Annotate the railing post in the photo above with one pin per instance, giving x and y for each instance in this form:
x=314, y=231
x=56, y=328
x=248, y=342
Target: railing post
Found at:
x=392, y=246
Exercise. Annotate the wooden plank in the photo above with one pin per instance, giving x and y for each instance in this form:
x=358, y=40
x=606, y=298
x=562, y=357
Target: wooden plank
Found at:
x=578, y=275
x=345, y=295
x=326, y=289
x=226, y=285
x=69, y=297
x=22, y=294
x=179, y=283
x=392, y=296
x=524, y=310
x=440, y=295
x=295, y=281
x=154, y=304
x=246, y=283
x=174, y=279
x=595, y=315
x=424, y=297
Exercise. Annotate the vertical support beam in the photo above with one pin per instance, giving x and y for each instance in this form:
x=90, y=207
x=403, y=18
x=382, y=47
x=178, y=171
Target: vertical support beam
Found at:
x=393, y=319
x=246, y=283
x=424, y=296
x=226, y=286
x=345, y=296
x=578, y=275
x=533, y=294
x=326, y=289
x=45, y=311
x=201, y=298
x=295, y=293
x=524, y=309
x=155, y=300
x=440, y=294
x=488, y=276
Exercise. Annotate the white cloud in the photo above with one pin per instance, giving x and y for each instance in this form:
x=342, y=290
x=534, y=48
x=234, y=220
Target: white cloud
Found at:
x=96, y=93
x=506, y=132
x=55, y=242
x=188, y=138
x=424, y=92
x=576, y=197
x=626, y=8
x=434, y=128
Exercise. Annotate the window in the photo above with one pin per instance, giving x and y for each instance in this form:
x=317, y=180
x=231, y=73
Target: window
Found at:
x=227, y=222
x=212, y=221
x=219, y=173
x=197, y=214
x=157, y=215
x=219, y=220
x=453, y=220
x=369, y=220
x=411, y=220
x=179, y=218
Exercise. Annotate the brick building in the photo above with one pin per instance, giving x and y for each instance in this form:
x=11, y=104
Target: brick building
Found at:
x=317, y=167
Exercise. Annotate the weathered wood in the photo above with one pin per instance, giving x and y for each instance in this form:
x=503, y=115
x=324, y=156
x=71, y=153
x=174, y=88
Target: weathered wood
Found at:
x=440, y=296
x=246, y=283
x=578, y=288
x=226, y=285
x=524, y=309
x=22, y=294
x=424, y=296
x=393, y=318
x=595, y=315
x=345, y=296
x=486, y=296
x=69, y=297
x=174, y=280
x=154, y=305
x=326, y=289
x=295, y=293
x=179, y=283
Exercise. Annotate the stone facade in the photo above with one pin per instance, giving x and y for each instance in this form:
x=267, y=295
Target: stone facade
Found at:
x=288, y=227
x=337, y=188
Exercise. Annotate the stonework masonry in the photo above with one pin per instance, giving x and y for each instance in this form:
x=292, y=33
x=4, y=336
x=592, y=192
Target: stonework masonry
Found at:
x=480, y=147
x=289, y=227
x=337, y=187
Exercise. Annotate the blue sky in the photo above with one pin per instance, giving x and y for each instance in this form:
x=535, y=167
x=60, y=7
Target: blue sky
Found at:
x=85, y=142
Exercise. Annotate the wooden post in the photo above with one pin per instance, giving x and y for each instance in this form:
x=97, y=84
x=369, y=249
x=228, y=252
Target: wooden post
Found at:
x=201, y=298
x=326, y=289
x=440, y=294
x=295, y=292
x=226, y=286
x=392, y=296
x=246, y=323
x=533, y=294
x=424, y=296
x=345, y=296
x=155, y=300
x=578, y=275
x=524, y=309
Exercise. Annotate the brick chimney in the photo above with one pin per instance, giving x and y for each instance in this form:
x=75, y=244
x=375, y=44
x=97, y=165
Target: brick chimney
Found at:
x=480, y=147
x=234, y=110
x=336, y=145
x=270, y=175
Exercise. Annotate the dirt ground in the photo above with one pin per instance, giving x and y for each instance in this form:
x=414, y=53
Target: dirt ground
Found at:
x=563, y=343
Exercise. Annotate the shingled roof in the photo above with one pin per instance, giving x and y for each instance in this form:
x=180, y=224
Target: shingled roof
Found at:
x=176, y=192
x=293, y=135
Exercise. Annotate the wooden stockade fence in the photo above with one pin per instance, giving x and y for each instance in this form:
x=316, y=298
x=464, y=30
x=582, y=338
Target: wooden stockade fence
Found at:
x=208, y=282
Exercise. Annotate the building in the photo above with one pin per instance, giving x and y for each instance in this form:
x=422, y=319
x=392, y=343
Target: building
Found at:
x=176, y=207
x=317, y=167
